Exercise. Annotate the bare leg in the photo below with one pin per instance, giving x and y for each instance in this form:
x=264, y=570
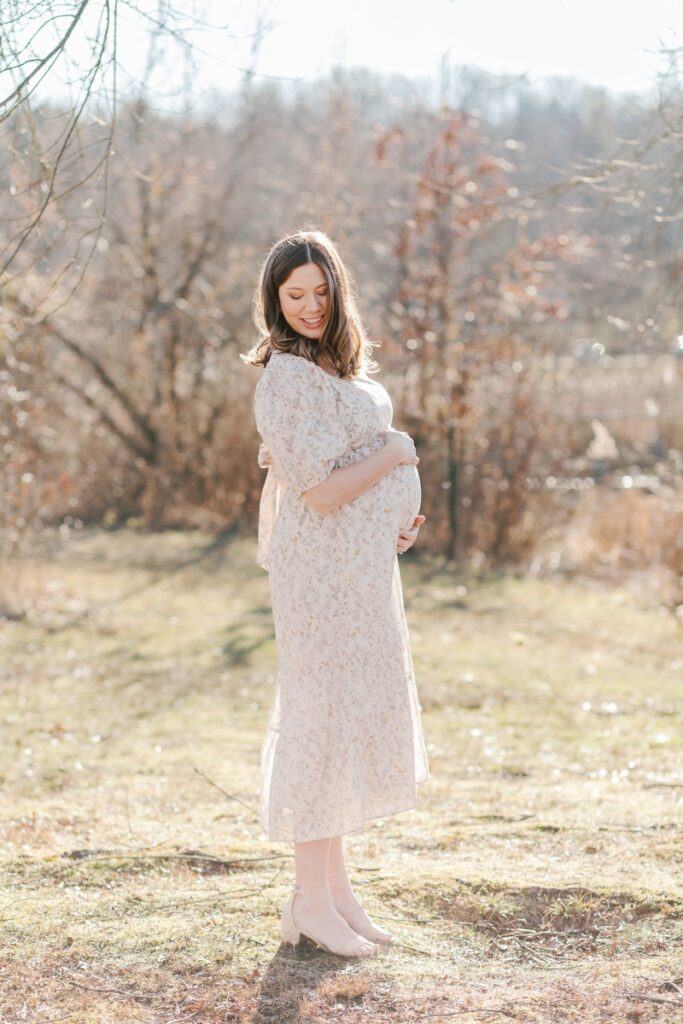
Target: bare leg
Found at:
x=343, y=898
x=310, y=861
x=335, y=860
x=314, y=912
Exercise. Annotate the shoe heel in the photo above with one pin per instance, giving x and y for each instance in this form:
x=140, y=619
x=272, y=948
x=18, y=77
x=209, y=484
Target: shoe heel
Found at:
x=288, y=928
x=289, y=931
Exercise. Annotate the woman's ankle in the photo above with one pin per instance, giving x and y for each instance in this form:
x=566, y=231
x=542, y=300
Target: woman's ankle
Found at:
x=340, y=889
x=314, y=886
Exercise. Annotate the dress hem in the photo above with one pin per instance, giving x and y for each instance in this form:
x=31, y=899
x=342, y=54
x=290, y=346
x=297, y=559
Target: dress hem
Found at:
x=347, y=831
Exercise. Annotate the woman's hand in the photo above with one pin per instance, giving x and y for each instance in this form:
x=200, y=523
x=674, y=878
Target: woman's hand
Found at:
x=407, y=538
x=403, y=446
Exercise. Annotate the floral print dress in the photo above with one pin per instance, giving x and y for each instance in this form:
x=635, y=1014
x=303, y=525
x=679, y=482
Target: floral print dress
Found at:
x=344, y=741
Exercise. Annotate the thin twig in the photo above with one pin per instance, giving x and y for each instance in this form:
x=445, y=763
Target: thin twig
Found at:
x=112, y=991
x=187, y=855
x=53, y=1020
x=423, y=952
x=654, y=999
x=474, y=1009
x=229, y=795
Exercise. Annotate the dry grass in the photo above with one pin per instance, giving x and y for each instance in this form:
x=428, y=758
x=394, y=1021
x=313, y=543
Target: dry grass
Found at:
x=538, y=880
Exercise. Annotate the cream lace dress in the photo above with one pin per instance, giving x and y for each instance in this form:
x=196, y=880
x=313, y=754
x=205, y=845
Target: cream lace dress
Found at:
x=344, y=740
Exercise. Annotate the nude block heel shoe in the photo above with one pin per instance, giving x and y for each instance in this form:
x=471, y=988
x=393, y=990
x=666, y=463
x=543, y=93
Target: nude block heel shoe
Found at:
x=379, y=938
x=292, y=934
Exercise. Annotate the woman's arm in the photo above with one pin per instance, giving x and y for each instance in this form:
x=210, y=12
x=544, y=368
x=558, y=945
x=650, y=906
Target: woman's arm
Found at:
x=348, y=482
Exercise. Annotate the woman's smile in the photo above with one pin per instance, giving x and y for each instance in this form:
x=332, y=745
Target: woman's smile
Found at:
x=306, y=288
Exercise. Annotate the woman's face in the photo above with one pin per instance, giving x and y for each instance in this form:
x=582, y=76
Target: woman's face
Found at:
x=304, y=300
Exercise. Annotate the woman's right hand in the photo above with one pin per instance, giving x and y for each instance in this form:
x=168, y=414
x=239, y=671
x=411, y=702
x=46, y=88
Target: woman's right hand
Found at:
x=403, y=446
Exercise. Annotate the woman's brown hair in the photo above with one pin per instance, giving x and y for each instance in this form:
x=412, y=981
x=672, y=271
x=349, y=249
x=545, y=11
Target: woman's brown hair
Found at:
x=343, y=340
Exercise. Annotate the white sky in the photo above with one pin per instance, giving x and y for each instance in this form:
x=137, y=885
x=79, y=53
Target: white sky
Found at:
x=601, y=41
x=607, y=42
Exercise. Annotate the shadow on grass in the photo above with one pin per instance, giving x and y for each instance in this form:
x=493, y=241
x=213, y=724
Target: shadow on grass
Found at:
x=297, y=981
x=162, y=566
x=239, y=644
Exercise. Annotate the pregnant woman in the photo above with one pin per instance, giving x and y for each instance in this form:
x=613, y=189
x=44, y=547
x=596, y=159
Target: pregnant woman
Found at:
x=344, y=740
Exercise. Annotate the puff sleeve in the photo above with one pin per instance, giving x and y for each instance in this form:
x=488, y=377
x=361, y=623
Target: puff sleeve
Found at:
x=296, y=415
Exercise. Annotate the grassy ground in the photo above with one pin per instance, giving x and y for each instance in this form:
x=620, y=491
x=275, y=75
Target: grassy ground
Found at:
x=540, y=879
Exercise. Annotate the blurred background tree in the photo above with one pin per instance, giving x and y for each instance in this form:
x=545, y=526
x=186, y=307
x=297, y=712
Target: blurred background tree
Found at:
x=519, y=263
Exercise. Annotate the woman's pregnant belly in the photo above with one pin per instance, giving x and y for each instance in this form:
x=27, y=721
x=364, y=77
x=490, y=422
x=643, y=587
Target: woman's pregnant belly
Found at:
x=396, y=497
x=404, y=493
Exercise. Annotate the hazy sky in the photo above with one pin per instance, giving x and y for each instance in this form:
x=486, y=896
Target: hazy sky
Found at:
x=601, y=41
x=609, y=42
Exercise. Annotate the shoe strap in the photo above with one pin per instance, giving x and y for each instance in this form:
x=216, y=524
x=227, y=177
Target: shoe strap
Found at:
x=312, y=888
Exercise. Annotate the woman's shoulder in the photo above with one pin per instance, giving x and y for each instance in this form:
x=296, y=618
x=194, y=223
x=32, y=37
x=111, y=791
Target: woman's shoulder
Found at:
x=288, y=374
x=280, y=362
x=288, y=362
x=291, y=369
x=288, y=366
x=291, y=363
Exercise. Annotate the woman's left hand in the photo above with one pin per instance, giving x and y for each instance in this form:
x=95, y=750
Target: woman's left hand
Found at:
x=407, y=538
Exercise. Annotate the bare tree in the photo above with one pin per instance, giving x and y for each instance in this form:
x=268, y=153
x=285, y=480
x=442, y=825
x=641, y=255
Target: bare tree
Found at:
x=640, y=184
x=475, y=293
x=49, y=161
